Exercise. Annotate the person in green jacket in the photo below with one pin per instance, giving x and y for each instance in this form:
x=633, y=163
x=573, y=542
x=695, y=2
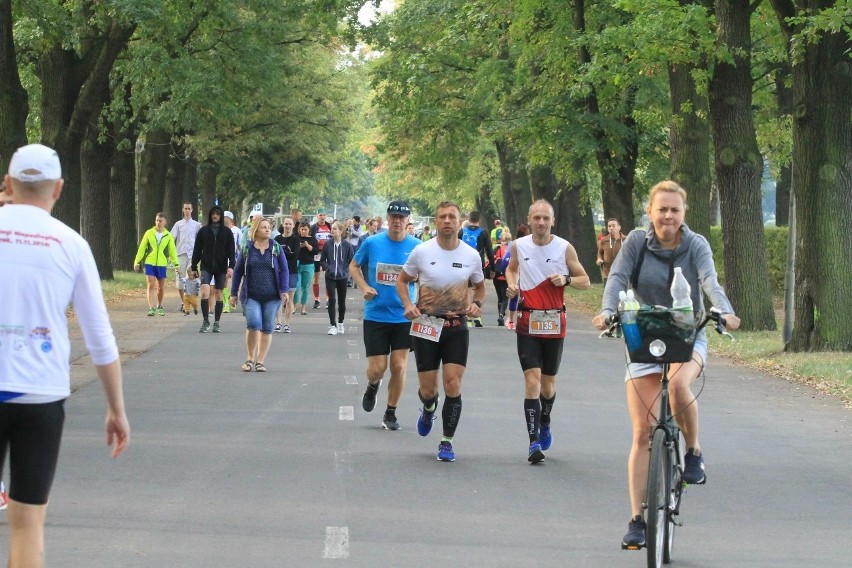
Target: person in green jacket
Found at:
x=156, y=251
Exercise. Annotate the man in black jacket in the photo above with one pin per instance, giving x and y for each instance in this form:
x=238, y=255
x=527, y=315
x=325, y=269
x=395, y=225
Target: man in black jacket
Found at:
x=214, y=248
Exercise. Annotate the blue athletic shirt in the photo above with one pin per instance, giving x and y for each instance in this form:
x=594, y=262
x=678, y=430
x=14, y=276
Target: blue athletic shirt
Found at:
x=381, y=261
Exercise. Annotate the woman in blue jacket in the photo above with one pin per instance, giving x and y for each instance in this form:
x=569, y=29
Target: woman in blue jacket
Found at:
x=262, y=270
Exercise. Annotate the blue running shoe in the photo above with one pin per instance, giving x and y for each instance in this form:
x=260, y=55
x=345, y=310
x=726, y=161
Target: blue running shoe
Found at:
x=693, y=470
x=545, y=438
x=536, y=455
x=424, y=423
x=445, y=451
x=635, y=537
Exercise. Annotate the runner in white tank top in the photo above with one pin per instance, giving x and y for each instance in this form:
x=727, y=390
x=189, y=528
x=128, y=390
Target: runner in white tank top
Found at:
x=540, y=267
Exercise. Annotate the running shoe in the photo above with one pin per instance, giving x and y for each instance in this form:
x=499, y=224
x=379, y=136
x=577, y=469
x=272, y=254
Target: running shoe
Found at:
x=316, y=304
x=445, y=452
x=286, y=328
x=545, y=438
x=535, y=455
x=152, y=312
x=205, y=327
x=635, y=537
x=368, y=402
x=469, y=323
x=332, y=330
x=477, y=322
x=693, y=470
x=340, y=329
x=278, y=328
x=424, y=423
x=161, y=311
x=226, y=309
x=4, y=499
x=215, y=327
x=195, y=311
x=326, y=304
x=510, y=325
x=501, y=321
x=389, y=422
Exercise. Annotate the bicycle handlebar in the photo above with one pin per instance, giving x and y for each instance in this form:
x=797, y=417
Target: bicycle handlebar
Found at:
x=614, y=324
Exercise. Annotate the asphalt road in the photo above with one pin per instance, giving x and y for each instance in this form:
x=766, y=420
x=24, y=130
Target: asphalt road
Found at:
x=235, y=469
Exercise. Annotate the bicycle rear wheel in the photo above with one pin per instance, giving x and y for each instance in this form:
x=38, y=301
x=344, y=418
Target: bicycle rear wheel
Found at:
x=657, y=500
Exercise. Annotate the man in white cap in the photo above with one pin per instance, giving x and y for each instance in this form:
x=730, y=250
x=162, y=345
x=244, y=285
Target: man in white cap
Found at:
x=46, y=266
x=184, y=233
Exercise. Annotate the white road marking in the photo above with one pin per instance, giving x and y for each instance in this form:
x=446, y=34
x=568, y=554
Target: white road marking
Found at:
x=343, y=462
x=354, y=355
x=352, y=342
x=347, y=413
x=350, y=379
x=336, y=542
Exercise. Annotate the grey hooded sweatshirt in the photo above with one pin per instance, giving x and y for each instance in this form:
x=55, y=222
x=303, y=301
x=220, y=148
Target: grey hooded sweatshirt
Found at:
x=693, y=255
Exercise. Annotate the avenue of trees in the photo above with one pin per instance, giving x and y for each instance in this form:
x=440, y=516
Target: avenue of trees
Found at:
x=587, y=102
x=151, y=103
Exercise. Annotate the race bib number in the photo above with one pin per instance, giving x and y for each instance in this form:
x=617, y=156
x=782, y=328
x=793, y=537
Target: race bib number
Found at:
x=387, y=274
x=316, y=257
x=427, y=327
x=544, y=323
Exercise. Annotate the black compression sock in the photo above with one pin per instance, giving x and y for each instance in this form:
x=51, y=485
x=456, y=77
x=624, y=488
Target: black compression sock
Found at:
x=205, y=309
x=532, y=412
x=219, y=306
x=546, y=408
x=451, y=414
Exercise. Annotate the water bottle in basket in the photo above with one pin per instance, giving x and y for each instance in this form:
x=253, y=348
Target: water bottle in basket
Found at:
x=682, y=299
x=629, y=323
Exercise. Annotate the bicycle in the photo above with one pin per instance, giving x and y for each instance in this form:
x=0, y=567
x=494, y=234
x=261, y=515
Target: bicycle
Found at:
x=666, y=339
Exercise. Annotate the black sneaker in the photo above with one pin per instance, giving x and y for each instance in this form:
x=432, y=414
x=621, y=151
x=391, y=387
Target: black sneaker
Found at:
x=477, y=322
x=369, y=400
x=693, y=469
x=501, y=321
x=635, y=537
x=389, y=422
x=316, y=304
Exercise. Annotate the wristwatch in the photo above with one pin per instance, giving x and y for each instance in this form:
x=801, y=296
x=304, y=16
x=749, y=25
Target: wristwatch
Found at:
x=567, y=279
x=477, y=302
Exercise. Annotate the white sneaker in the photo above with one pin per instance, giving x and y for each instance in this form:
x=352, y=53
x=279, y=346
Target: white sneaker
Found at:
x=332, y=330
x=340, y=329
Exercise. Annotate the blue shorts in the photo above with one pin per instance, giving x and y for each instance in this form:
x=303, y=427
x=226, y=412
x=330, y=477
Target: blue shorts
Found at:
x=159, y=272
x=260, y=316
x=294, y=280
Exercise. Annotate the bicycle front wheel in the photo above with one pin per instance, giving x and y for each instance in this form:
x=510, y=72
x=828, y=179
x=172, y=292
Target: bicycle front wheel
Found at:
x=674, y=489
x=657, y=500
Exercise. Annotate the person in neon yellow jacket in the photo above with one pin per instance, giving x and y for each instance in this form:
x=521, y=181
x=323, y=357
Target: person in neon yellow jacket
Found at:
x=156, y=251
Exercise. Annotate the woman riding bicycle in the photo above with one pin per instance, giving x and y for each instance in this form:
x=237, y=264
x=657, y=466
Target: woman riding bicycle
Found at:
x=646, y=263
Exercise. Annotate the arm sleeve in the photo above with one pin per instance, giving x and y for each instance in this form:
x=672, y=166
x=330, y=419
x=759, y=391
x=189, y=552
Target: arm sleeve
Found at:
x=283, y=272
x=91, y=311
x=140, y=252
x=173, y=245
x=707, y=277
x=239, y=269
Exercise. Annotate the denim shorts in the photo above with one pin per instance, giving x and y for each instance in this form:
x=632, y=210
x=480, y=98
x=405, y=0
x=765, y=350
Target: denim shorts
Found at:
x=260, y=316
x=699, y=355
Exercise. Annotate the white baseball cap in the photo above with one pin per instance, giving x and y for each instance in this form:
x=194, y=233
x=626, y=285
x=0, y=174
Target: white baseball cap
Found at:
x=229, y=215
x=35, y=162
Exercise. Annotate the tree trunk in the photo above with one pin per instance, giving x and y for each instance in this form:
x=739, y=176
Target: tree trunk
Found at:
x=190, y=187
x=14, y=102
x=783, y=186
x=514, y=185
x=124, y=233
x=152, y=178
x=175, y=175
x=689, y=140
x=209, y=171
x=739, y=167
x=822, y=185
x=574, y=213
x=95, y=219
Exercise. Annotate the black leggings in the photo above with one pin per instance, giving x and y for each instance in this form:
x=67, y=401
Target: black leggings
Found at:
x=32, y=433
x=500, y=287
x=336, y=288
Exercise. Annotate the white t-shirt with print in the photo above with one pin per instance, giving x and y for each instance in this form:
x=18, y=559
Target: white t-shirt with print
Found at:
x=444, y=276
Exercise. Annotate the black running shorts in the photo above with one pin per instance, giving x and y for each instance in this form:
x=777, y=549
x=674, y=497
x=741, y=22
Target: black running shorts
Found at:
x=218, y=279
x=32, y=433
x=382, y=338
x=540, y=353
x=451, y=348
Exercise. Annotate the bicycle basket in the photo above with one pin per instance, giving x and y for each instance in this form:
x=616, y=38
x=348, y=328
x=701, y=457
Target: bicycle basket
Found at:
x=672, y=333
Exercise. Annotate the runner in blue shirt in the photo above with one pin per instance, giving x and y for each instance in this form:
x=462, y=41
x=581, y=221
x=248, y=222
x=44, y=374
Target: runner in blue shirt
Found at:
x=386, y=330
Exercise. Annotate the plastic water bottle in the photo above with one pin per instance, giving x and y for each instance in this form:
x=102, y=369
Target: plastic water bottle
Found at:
x=628, y=321
x=681, y=298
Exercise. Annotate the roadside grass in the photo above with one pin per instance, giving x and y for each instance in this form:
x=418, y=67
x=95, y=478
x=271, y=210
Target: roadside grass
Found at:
x=125, y=283
x=828, y=372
